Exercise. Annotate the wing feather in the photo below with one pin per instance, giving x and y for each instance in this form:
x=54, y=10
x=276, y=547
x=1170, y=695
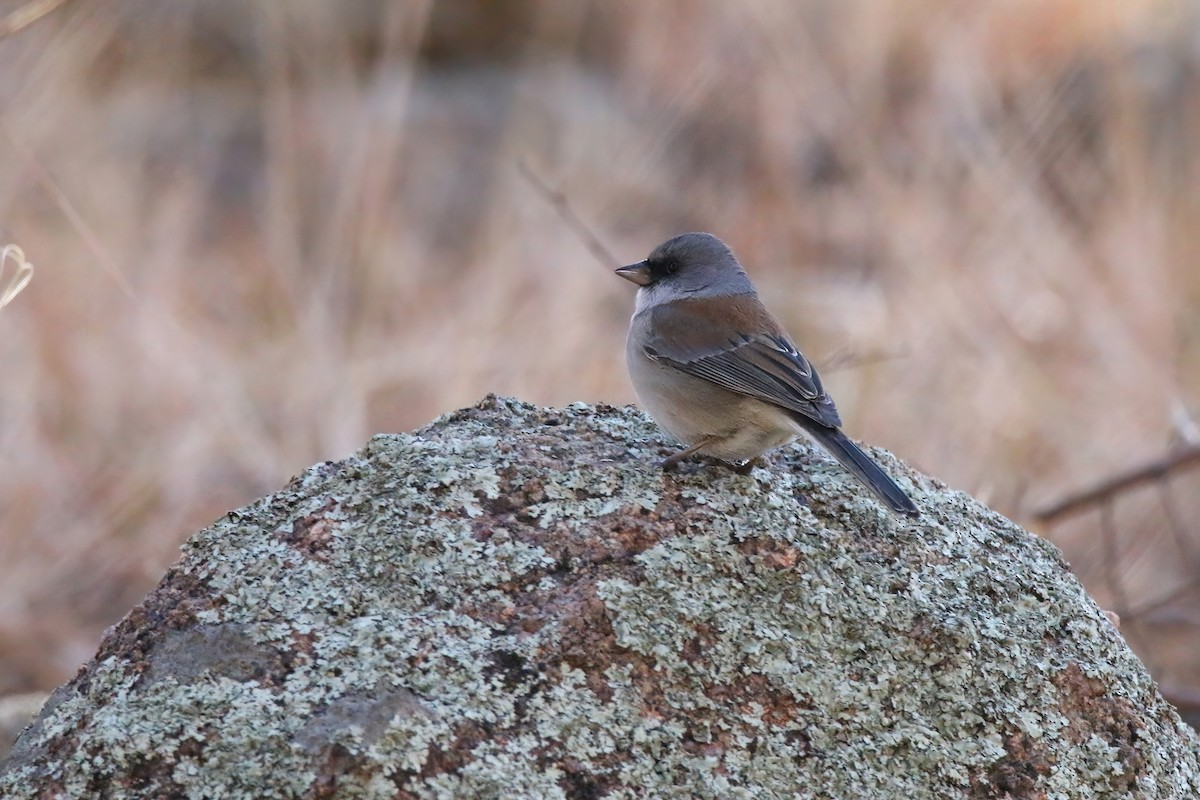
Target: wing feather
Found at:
x=765, y=365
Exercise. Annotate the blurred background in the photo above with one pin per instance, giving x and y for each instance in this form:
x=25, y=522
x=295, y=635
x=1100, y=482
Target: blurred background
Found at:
x=265, y=231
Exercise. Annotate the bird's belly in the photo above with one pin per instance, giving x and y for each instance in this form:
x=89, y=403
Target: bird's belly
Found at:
x=692, y=409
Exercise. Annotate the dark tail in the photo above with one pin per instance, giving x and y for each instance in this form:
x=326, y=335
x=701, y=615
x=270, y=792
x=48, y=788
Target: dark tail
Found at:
x=863, y=468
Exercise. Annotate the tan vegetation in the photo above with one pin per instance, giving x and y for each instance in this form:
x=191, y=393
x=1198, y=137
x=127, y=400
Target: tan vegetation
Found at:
x=265, y=231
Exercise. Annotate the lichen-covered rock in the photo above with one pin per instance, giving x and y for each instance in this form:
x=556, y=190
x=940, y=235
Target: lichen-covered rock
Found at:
x=516, y=602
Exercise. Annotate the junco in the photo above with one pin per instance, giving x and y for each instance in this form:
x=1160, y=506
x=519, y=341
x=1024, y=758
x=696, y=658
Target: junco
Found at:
x=716, y=371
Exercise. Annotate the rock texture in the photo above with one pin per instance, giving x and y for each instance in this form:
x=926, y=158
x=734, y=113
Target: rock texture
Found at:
x=515, y=602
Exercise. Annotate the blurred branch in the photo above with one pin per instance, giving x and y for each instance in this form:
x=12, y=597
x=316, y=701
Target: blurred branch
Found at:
x=846, y=358
x=1110, y=487
x=28, y=14
x=19, y=279
x=1165, y=609
x=1172, y=610
x=1179, y=528
x=558, y=200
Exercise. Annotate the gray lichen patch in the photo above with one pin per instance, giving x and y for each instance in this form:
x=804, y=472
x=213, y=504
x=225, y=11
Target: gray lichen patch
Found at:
x=516, y=602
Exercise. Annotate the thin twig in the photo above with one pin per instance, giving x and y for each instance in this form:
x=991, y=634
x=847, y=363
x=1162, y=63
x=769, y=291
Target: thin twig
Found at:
x=1179, y=529
x=1155, y=470
x=846, y=358
x=558, y=200
x=1170, y=608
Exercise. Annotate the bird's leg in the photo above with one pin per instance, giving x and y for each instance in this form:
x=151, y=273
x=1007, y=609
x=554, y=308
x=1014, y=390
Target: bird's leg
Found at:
x=671, y=461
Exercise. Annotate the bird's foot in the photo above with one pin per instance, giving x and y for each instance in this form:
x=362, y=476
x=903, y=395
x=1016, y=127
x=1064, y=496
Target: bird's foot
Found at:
x=747, y=466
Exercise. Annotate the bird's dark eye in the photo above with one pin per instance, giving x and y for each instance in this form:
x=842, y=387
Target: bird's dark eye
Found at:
x=662, y=267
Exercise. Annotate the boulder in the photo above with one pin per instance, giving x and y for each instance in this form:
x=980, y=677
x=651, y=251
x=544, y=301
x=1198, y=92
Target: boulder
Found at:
x=516, y=602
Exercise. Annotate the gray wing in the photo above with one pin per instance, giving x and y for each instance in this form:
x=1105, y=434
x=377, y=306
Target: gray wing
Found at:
x=766, y=366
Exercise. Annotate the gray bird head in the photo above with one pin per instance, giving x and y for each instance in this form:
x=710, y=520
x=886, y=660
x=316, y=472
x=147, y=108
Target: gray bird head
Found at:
x=690, y=265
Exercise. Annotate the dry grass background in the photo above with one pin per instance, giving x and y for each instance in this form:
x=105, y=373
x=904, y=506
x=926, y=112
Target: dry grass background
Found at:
x=266, y=230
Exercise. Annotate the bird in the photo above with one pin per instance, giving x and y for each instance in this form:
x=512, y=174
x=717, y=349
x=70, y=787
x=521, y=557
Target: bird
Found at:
x=717, y=371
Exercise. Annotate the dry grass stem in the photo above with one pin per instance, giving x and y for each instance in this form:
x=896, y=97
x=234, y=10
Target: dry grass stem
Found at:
x=18, y=276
